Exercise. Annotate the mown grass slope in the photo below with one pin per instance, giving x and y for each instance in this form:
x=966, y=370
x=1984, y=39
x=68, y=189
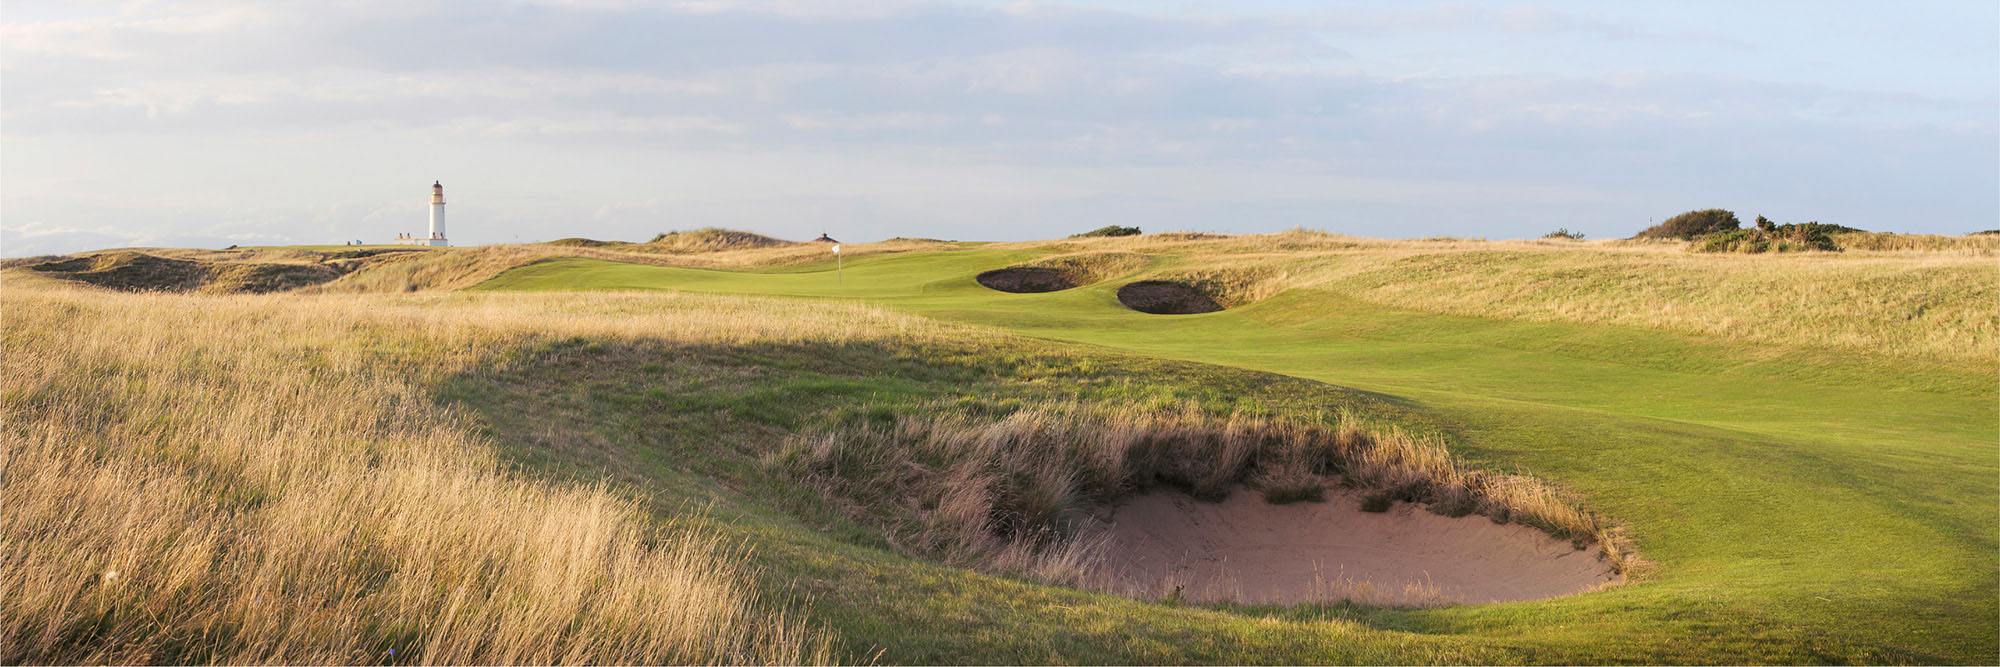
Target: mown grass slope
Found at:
x=1803, y=445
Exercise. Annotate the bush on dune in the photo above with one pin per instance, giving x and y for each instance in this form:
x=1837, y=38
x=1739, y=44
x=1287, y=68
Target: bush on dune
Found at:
x=1691, y=224
x=1108, y=230
x=1771, y=237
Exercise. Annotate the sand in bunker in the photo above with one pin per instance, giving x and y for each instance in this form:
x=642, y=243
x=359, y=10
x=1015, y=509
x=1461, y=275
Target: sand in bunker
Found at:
x=1246, y=550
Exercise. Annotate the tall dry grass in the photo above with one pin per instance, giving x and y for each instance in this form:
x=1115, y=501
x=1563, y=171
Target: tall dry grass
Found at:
x=206, y=479
x=1974, y=245
x=1015, y=492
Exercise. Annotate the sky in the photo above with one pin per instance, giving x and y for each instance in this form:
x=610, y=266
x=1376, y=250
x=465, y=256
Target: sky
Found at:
x=204, y=124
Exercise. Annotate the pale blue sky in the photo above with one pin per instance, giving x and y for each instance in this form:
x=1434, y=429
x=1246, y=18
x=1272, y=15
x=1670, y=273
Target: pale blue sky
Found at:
x=210, y=124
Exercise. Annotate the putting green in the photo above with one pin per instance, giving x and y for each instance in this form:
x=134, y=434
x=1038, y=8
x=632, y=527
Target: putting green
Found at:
x=1799, y=505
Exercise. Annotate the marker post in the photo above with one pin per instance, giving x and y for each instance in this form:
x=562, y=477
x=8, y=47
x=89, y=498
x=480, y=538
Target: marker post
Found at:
x=839, y=266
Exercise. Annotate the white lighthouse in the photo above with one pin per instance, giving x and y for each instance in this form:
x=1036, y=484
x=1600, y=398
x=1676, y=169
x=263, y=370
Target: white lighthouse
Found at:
x=437, y=215
x=436, y=237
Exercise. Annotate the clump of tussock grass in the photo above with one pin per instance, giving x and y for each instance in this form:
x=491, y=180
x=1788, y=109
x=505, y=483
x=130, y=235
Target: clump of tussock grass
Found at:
x=196, y=479
x=997, y=490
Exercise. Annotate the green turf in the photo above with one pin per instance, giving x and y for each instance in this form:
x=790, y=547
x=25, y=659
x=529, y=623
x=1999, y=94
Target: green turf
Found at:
x=1800, y=505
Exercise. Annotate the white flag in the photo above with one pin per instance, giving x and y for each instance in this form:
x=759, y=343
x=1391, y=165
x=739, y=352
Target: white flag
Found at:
x=836, y=247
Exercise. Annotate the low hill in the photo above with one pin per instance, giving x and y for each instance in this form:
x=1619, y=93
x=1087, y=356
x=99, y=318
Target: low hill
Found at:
x=711, y=239
x=170, y=270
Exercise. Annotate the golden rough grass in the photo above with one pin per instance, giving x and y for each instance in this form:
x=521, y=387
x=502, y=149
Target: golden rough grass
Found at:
x=1982, y=245
x=1090, y=267
x=710, y=239
x=1926, y=302
x=253, y=480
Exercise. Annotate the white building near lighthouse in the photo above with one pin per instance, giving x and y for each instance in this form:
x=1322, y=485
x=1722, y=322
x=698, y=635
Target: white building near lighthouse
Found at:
x=436, y=236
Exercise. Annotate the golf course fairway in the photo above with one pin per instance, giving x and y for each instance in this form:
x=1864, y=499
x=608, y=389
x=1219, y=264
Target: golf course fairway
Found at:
x=1794, y=504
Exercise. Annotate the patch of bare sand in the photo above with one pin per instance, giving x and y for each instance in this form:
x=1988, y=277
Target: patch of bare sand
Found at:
x=1246, y=550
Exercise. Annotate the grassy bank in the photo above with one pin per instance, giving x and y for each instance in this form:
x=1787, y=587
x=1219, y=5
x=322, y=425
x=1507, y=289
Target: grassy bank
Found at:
x=246, y=480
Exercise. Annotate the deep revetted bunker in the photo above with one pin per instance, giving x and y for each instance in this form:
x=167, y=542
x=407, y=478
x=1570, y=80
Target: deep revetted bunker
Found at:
x=1168, y=545
x=1028, y=279
x=1161, y=297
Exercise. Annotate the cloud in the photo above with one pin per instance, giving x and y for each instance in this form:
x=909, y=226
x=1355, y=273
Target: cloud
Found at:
x=884, y=109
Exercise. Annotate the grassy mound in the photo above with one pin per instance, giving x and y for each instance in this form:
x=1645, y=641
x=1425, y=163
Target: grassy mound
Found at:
x=1161, y=297
x=131, y=271
x=580, y=242
x=710, y=239
x=1190, y=236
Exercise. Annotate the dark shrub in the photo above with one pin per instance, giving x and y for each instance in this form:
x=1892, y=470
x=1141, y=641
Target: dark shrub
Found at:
x=1691, y=224
x=1832, y=229
x=1564, y=233
x=1797, y=237
x=1108, y=230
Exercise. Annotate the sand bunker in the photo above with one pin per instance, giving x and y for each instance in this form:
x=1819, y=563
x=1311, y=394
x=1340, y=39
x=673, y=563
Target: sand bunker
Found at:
x=1246, y=550
x=1160, y=297
x=1023, y=279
